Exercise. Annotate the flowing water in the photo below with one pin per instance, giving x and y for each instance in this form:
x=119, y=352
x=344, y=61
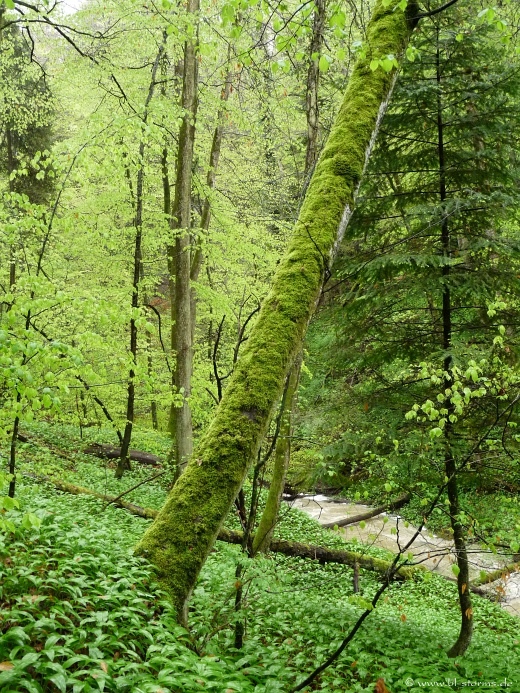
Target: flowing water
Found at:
x=392, y=532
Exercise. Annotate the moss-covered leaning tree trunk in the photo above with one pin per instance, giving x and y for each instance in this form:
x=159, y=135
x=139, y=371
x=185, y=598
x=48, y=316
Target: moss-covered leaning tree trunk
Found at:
x=183, y=533
x=282, y=454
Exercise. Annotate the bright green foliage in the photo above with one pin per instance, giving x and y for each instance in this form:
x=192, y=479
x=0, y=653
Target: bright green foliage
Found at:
x=26, y=113
x=182, y=535
x=31, y=370
x=8, y=522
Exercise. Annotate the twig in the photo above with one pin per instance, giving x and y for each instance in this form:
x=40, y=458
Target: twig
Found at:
x=113, y=500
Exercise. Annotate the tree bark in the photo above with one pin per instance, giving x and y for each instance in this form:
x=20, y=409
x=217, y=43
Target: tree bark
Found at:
x=205, y=220
x=466, y=610
x=282, y=455
x=11, y=165
x=179, y=256
x=124, y=461
x=183, y=533
x=398, y=503
x=313, y=82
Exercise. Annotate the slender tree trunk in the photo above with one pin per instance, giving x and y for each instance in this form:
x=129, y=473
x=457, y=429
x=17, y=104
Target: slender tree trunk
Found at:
x=282, y=456
x=149, y=360
x=12, y=453
x=466, y=629
x=214, y=157
x=171, y=270
x=183, y=533
x=313, y=83
x=11, y=165
x=179, y=256
x=124, y=460
x=153, y=404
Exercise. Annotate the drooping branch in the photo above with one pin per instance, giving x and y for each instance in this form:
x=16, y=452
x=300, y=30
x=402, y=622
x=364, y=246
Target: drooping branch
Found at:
x=133, y=488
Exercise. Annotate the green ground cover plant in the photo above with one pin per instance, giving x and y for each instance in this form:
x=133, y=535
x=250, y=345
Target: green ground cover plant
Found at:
x=81, y=613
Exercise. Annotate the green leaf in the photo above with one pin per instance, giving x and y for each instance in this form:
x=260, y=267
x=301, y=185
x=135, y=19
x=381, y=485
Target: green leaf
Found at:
x=455, y=569
x=31, y=521
x=360, y=601
x=324, y=63
x=338, y=19
x=59, y=681
x=9, y=503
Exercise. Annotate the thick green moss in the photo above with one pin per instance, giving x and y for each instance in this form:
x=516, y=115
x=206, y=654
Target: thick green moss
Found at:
x=185, y=529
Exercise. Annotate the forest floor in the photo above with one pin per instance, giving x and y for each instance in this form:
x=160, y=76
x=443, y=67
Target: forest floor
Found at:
x=80, y=613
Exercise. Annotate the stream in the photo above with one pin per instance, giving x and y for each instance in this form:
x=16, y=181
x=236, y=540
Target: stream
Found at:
x=437, y=554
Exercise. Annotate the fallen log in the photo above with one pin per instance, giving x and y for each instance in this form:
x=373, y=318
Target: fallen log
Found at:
x=288, y=548
x=498, y=574
x=146, y=513
x=361, y=517
x=323, y=554
x=111, y=452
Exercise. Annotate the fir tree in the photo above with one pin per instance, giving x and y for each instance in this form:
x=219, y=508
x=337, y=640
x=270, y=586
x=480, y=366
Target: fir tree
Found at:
x=429, y=272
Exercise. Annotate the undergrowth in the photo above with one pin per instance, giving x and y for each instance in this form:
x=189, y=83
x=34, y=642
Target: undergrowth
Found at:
x=80, y=613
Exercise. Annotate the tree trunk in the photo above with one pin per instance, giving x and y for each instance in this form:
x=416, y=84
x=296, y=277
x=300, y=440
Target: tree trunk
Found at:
x=313, y=82
x=124, y=461
x=394, y=505
x=466, y=628
x=179, y=256
x=282, y=455
x=214, y=157
x=11, y=165
x=149, y=359
x=181, y=537
x=283, y=448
